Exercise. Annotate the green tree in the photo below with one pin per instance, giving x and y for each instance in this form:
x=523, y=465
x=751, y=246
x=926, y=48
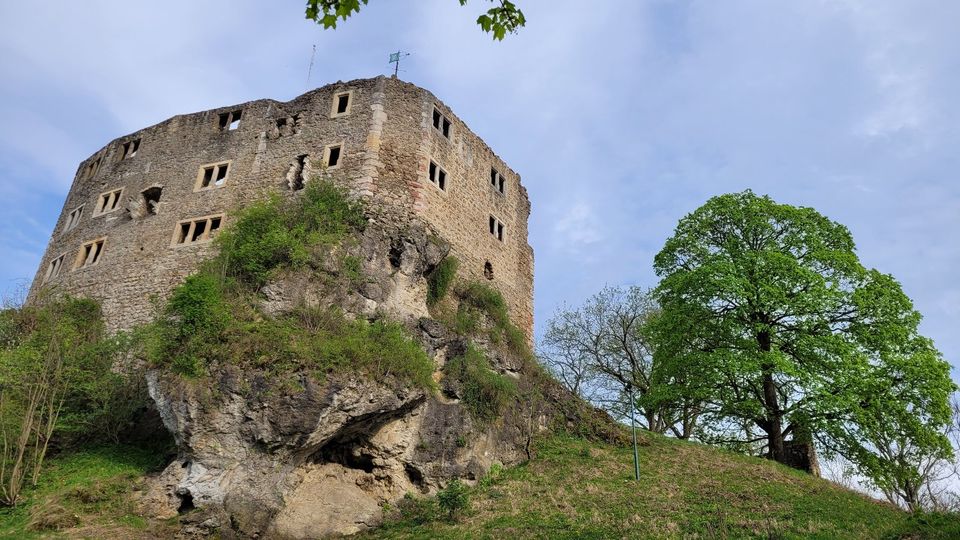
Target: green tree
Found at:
x=770, y=318
x=502, y=18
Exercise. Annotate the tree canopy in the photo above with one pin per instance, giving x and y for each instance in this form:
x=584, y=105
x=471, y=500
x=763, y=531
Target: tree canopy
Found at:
x=771, y=321
x=500, y=19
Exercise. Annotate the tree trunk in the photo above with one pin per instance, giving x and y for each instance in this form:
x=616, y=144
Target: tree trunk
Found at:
x=771, y=403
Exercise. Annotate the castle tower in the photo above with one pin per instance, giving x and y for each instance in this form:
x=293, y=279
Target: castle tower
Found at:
x=142, y=210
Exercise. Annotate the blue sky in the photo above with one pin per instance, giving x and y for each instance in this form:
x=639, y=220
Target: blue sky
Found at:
x=621, y=119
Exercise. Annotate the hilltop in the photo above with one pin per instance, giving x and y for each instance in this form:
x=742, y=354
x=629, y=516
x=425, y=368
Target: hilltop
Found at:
x=578, y=489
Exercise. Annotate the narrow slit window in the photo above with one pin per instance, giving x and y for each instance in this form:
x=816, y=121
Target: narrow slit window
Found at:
x=197, y=230
x=230, y=121
x=53, y=269
x=213, y=176
x=90, y=253
x=437, y=175
x=108, y=201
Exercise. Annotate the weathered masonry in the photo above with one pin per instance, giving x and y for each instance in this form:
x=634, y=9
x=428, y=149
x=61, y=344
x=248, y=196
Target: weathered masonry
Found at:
x=141, y=212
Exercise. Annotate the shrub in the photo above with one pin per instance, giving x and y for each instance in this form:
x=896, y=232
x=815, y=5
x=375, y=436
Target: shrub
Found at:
x=453, y=499
x=484, y=392
x=58, y=385
x=187, y=335
x=476, y=297
x=440, y=279
x=416, y=510
x=280, y=233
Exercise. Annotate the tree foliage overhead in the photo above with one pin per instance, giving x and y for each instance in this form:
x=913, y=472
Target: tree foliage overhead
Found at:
x=771, y=320
x=500, y=19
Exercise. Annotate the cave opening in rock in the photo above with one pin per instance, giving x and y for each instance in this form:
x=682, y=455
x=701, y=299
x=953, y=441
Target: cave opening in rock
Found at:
x=347, y=454
x=186, y=502
x=415, y=476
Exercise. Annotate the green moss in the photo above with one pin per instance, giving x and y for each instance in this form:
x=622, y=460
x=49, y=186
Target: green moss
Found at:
x=441, y=278
x=484, y=392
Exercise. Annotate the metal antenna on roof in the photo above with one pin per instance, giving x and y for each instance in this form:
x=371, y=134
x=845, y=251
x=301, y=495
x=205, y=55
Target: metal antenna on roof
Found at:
x=395, y=59
x=310, y=69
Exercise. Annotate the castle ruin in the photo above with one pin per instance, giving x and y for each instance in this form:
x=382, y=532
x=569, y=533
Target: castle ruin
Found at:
x=141, y=211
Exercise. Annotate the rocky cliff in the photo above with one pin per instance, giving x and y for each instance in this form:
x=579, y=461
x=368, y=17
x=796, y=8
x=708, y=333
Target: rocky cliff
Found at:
x=302, y=455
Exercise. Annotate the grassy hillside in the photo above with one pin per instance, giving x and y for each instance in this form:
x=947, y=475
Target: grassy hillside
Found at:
x=87, y=494
x=575, y=489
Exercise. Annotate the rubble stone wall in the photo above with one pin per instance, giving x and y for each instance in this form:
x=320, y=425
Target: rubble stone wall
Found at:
x=387, y=140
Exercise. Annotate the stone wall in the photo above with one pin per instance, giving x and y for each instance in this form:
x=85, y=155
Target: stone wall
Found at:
x=387, y=141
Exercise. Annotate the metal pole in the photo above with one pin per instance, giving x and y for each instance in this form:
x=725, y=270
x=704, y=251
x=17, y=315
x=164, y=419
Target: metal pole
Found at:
x=633, y=426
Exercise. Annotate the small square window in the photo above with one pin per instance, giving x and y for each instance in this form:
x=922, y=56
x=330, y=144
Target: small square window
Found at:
x=437, y=175
x=73, y=219
x=108, y=202
x=441, y=123
x=230, y=121
x=212, y=176
x=332, y=155
x=197, y=230
x=89, y=254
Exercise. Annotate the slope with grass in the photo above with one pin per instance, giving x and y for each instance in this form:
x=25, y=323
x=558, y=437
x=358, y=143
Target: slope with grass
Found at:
x=576, y=489
x=88, y=494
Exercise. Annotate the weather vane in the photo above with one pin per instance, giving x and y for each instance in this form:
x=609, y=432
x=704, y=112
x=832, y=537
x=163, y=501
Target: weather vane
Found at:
x=395, y=59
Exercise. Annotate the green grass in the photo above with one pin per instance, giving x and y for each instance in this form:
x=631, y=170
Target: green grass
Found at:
x=575, y=489
x=484, y=392
x=87, y=492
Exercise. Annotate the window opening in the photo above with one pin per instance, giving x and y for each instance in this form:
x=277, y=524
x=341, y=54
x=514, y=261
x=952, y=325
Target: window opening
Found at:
x=109, y=201
x=197, y=230
x=213, y=176
x=53, y=269
x=488, y=270
x=497, y=180
x=90, y=253
x=151, y=199
x=343, y=100
x=441, y=123
x=438, y=176
x=73, y=219
x=93, y=168
x=230, y=121
x=496, y=228
x=334, y=158
x=130, y=148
